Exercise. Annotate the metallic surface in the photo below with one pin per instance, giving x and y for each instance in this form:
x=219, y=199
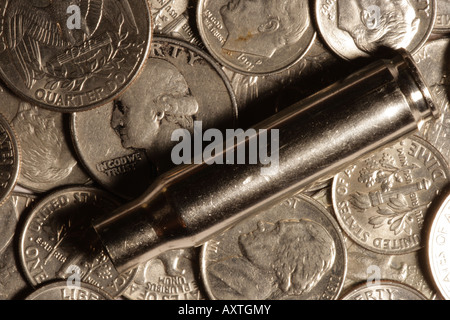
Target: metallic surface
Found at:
x=9, y=159
x=171, y=18
x=55, y=242
x=134, y=134
x=173, y=275
x=47, y=158
x=352, y=30
x=382, y=200
x=317, y=137
x=256, y=37
x=71, y=69
x=293, y=250
x=432, y=61
x=384, y=290
x=438, y=248
x=259, y=97
x=12, y=283
x=407, y=268
x=442, y=24
x=61, y=290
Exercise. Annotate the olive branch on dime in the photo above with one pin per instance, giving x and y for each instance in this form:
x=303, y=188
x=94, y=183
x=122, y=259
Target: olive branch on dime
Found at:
x=398, y=215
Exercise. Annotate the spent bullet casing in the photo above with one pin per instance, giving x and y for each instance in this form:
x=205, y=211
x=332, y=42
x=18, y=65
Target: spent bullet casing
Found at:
x=318, y=136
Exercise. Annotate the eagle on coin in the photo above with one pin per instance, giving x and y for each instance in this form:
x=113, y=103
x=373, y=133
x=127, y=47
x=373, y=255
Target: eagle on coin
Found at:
x=35, y=28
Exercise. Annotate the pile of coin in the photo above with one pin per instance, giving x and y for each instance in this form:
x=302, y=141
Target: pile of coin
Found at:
x=92, y=91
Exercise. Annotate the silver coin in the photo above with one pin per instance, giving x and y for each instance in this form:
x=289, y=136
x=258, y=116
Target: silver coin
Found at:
x=433, y=63
x=47, y=159
x=385, y=290
x=134, y=133
x=360, y=28
x=171, y=18
x=442, y=23
x=61, y=290
x=365, y=266
x=173, y=275
x=438, y=248
x=57, y=241
x=256, y=37
x=71, y=57
x=293, y=250
x=382, y=200
x=12, y=283
x=9, y=159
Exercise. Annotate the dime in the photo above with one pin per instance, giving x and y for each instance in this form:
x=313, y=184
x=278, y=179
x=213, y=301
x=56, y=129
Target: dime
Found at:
x=71, y=57
x=381, y=201
x=173, y=275
x=9, y=159
x=442, y=23
x=293, y=250
x=61, y=290
x=12, y=283
x=438, y=248
x=433, y=63
x=367, y=266
x=360, y=28
x=178, y=85
x=47, y=160
x=57, y=241
x=385, y=290
x=256, y=37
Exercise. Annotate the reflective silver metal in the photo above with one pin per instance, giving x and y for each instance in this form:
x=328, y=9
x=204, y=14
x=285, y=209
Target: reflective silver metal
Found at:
x=360, y=28
x=442, y=23
x=382, y=200
x=62, y=290
x=291, y=251
x=317, y=137
x=53, y=64
x=437, y=245
x=56, y=243
x=384, y=290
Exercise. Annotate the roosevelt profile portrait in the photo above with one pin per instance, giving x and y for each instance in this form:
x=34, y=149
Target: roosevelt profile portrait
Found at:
x=260, y=27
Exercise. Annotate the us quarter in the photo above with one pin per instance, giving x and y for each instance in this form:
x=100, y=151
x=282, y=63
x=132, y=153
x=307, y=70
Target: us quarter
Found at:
x=293, y=250
x=71, y=57
x=381, y=201
x=12, y=282
x=57, y=241
x=173, y=275
x=256, y=37
x=47, y=158
x=438, y=248
x=385, y=290
x=361, y=28
x=433, y=63
x=61, y=290
x=179, y=85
